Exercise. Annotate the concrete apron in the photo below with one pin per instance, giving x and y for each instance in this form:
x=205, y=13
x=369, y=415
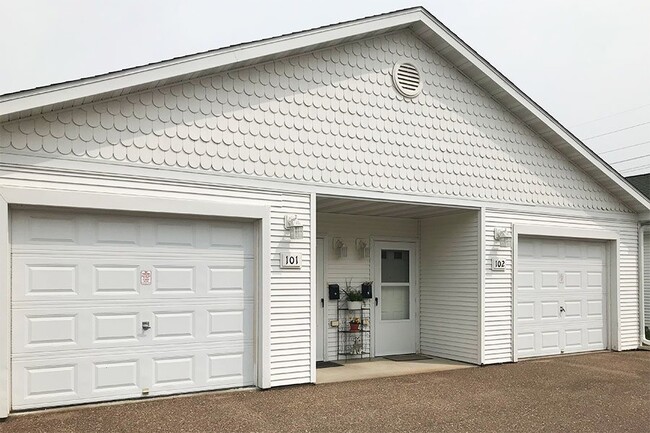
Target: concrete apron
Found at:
x=380, y=367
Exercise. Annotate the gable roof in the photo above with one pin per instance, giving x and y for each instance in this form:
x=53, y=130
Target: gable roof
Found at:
x=641, y=182
x=418, y=20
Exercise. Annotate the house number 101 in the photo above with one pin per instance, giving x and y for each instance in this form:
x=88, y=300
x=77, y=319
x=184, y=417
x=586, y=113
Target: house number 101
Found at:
x=290, y=260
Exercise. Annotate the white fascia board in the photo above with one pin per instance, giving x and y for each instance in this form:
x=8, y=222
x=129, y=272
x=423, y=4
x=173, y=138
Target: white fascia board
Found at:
x=200, y=62
x=495, y=76
x=141, y=203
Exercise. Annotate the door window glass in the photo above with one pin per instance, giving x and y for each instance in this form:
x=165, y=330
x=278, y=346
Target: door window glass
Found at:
x=394, y=266
x=395, y=287
x=395, y=302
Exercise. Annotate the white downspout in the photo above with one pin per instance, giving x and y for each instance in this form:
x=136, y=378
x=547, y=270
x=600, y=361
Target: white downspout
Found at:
x=645, y=226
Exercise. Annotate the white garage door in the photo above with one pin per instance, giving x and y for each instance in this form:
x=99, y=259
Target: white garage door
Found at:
x=85, y=288
x=561, y=296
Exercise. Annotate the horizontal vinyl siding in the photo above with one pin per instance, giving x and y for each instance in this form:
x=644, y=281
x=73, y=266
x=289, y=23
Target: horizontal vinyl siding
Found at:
x=354, y=267
x=498, y=285
x=449, y=287
x=290, y=296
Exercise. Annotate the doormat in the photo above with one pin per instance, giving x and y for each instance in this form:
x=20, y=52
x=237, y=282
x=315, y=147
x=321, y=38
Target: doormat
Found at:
x=327, y=364
x=407, y=357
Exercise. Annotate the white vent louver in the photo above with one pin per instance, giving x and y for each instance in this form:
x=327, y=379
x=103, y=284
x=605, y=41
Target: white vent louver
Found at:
x=407, y=79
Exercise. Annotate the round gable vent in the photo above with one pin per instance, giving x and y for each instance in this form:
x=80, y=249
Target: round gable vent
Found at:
x=407, y=79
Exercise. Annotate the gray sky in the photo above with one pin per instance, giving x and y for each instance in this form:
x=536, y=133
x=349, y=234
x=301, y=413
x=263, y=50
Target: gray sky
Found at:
x=585, y=61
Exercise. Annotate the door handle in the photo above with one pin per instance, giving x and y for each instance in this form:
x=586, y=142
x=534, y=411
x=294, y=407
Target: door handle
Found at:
x=322, y=302
x=562, y=310
x=376, y=301
x=145, y=326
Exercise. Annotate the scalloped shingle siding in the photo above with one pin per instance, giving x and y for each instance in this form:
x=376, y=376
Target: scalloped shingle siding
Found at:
x=331, y=117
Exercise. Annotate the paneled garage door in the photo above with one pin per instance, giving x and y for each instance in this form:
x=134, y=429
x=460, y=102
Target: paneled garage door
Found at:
x=107, y=306
x=561, y=296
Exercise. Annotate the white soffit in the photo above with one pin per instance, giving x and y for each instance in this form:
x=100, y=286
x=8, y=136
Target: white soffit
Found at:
x=382, y=208
x=418, y=19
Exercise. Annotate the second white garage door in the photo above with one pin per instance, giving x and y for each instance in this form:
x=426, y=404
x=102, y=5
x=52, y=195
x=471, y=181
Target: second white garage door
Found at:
x=116, y=306
x=561, y=296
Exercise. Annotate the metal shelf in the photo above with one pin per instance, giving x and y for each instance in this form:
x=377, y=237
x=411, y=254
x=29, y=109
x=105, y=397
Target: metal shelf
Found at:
x=352, y=344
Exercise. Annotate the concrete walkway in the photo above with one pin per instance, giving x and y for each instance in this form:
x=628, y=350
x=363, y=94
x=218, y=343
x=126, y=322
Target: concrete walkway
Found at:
x=380, y=367
x=603, y=392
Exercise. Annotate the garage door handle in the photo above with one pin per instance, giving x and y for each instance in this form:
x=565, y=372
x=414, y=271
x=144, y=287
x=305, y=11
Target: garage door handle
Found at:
x=562, y=310
x=145, y=326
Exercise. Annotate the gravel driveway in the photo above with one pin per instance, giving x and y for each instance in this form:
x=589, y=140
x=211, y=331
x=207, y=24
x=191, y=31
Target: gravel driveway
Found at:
x=604, y=392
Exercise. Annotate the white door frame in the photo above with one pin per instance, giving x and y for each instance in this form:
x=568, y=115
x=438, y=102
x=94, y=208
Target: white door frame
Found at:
x=375, y=275
x=138, y=203
x=323, y=295
x=612, y=269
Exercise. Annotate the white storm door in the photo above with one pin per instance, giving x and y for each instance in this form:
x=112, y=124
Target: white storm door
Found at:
x=320, y=300
x=394, y=284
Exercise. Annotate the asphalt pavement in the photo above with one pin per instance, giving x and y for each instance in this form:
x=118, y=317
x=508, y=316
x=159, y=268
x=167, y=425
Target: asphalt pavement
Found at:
x=602, y=392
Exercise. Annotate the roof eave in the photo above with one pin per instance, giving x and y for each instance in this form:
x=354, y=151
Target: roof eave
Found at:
x=242, y=54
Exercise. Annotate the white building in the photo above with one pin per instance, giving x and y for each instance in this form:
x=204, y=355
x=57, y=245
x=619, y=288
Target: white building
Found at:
x=144, y=214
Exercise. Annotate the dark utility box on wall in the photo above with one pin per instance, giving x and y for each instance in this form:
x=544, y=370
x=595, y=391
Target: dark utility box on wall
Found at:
x=366, y=290
x=334, y=291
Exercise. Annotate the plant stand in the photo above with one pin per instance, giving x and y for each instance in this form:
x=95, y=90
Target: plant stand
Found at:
x=353, y=344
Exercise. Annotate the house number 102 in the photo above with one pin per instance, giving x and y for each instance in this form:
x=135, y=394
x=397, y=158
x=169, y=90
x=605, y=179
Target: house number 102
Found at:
x=498, y=264
x=290, y=260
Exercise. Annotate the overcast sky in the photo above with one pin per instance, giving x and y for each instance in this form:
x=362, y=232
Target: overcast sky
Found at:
x=586, y=62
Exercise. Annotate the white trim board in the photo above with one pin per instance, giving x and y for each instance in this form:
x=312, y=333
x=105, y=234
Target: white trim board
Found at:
x=313, y=296
x=613, y=267
x=5, y=311
x=482, y=257
x=133, y=203
x=644, y=231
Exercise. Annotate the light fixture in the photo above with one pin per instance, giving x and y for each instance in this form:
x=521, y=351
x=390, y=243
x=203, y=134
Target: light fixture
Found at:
x=293, y=224
x=363, y=248
x=340, y=247
x=504, y=236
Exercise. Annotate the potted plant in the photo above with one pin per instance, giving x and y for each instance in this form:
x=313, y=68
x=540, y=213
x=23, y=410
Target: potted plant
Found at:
x=354, y=324
x=354, y=297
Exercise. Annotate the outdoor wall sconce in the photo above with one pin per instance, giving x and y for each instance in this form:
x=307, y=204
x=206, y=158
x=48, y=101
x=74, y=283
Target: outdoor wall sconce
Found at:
x=341, y=248
x=293, y=224
x=363, y=248
x=504, y=236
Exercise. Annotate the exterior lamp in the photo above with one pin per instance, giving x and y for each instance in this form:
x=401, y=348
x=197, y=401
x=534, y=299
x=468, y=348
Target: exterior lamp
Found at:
x=363, y=248
x=504, y=236
x=293, y=224
x=341, y=248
